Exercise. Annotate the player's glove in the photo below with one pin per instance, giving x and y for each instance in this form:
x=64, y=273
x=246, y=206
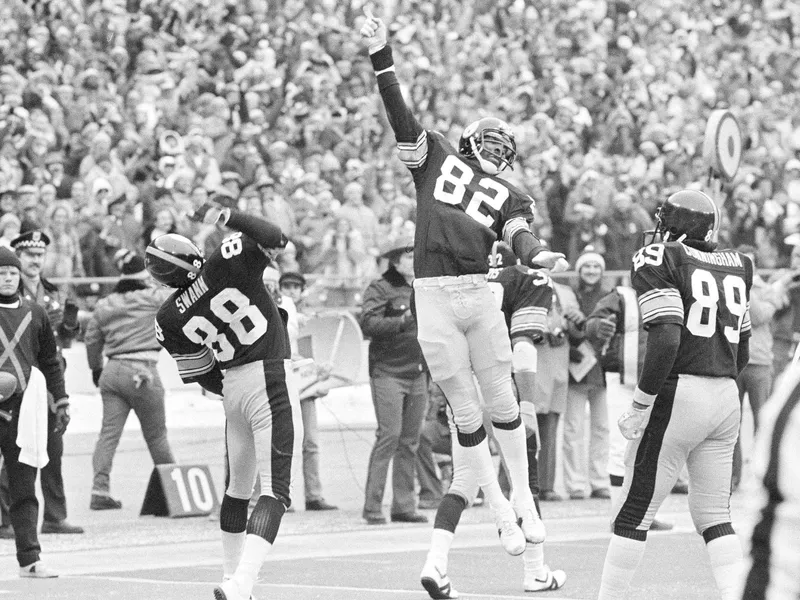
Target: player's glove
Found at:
x=210, y=213
x=555, y=261
x=373, y=31
x=634, y=420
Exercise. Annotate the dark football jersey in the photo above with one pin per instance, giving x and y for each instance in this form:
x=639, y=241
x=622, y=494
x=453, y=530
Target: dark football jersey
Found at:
x=461, y=210
x=226, y=316
x=525, y=296
x=708, y=293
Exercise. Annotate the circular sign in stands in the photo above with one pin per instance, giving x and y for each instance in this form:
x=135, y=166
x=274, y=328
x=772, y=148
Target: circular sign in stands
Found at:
x=722, y=147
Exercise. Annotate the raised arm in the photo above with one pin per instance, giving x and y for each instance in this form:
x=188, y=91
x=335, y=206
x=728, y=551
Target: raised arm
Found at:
x=411, y=138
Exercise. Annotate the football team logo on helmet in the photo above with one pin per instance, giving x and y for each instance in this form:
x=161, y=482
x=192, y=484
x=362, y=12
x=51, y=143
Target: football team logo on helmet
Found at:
x=686, y=215
x=173, y=260
x=491, y=142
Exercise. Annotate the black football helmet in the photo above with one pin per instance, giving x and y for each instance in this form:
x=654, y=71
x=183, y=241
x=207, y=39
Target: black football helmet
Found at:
x=502, y=256
x=495, y=158
x=173, y=260
x=686, y=215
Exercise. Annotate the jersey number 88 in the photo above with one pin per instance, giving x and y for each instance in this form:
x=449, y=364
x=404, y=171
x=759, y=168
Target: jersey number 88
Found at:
x=234, y=309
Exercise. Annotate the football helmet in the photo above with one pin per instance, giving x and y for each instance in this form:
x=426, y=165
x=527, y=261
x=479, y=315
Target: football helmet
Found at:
x=491, y=142
x=686, y=215
x=502, y=256
x=173, y=260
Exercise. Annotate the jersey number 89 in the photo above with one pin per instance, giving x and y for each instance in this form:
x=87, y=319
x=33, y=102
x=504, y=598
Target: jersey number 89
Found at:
x=702, y=319
x=234, y=309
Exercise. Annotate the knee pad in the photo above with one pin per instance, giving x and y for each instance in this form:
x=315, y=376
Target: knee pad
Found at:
x=463, y=400
x=498, y=393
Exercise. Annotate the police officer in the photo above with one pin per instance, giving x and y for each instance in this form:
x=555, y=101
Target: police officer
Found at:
x=31, y=247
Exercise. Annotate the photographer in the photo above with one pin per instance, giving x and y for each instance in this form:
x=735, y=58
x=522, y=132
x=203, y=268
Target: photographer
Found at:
x=551, y=384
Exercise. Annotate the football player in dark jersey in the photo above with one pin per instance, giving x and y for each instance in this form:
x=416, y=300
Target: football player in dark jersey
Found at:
x=463, y=207
x=221, y=318
x=694, y=304
x=524, y=296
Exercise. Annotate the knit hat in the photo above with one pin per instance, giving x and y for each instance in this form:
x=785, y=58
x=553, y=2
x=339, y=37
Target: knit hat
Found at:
x=9, y=258
x=589, y=255
x=130, y=264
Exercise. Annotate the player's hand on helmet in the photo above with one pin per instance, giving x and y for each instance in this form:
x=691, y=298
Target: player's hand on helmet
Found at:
x=373, y=31
x=210, y=213
x=555, y=261
x=633, y=421
x=62, y=419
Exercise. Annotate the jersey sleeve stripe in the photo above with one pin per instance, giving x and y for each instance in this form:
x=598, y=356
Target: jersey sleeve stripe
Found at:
x=414, y=155
x=746, y=325
x=661, y=304
x=192, y=365
x=512, y=227
x=533, y=319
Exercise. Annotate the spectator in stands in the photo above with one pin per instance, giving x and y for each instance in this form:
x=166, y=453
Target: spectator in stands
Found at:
x=587, y=385
x=9, y=229
x=64, y=258
x=121, y=328
x=399, y=382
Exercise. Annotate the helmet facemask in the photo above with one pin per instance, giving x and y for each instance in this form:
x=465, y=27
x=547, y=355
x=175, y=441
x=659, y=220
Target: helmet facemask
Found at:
x=494, y=149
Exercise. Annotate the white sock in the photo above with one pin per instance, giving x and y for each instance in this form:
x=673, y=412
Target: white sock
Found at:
x=622, y=560
x=232, y=545
x=480, y=461
x=441, y=540
x=534, y=561
x=515, y=454
x=726, y=557
x=254, y=553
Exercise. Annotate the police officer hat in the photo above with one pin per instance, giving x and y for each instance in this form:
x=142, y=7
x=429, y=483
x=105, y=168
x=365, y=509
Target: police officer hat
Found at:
x=35, y=238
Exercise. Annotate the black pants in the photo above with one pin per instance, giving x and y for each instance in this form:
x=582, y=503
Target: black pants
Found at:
x=55, y=501
x=23, y=505
x=548, y=426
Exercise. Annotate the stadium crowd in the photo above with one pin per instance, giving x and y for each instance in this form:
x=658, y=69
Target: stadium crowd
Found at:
x=118, y=118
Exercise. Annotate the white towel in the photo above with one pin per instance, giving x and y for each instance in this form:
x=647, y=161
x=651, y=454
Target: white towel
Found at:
x=32, y=428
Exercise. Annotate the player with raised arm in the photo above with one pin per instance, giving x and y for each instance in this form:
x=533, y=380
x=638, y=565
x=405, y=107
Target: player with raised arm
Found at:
x=221, y=318
x=694, y=304
x=524, y=296
x=463, y=207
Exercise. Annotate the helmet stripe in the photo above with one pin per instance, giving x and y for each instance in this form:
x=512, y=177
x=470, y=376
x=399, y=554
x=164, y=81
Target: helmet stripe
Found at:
x=172, y=259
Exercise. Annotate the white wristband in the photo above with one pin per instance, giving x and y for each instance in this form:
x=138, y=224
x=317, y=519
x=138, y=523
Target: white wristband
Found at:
x=641, y=398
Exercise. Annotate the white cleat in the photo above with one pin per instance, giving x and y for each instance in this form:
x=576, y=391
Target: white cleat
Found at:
x=531, y=525
x=511, y=537
x=228, y=590
x=37, y=570
x=436, y=583
x=552, y=581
